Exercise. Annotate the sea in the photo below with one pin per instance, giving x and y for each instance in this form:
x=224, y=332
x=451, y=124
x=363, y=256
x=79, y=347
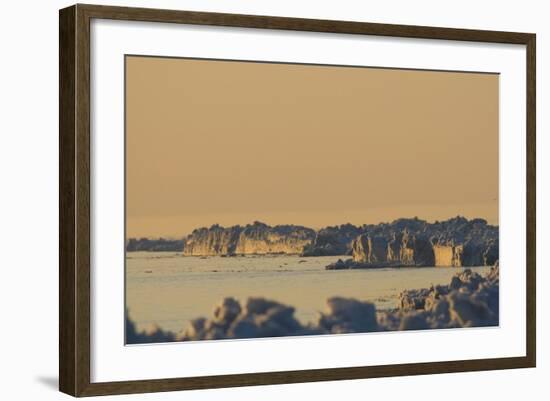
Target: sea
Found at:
x=168, y=289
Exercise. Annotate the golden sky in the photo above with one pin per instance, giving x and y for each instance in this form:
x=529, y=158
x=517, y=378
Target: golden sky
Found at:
x=233, y=142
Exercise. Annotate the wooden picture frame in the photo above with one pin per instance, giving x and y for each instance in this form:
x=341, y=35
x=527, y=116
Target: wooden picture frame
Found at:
x=74, y=199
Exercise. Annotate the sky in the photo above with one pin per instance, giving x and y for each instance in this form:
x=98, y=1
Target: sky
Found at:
x=228, y=142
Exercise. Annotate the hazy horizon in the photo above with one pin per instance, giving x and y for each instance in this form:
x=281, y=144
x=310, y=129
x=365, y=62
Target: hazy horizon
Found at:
x=236, y=142
x=316, y=228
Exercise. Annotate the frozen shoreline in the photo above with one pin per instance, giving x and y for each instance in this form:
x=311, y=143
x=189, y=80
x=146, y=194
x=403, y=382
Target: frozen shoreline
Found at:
x=469, y=300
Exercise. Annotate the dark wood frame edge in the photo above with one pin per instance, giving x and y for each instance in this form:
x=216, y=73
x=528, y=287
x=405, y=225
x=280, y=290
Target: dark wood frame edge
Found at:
x=74, y=199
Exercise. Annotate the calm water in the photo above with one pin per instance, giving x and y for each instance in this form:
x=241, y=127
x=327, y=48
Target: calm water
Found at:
x=168, y=289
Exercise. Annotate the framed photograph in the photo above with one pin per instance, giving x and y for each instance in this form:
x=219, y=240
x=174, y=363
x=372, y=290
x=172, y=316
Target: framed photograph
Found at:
x=250, y=200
